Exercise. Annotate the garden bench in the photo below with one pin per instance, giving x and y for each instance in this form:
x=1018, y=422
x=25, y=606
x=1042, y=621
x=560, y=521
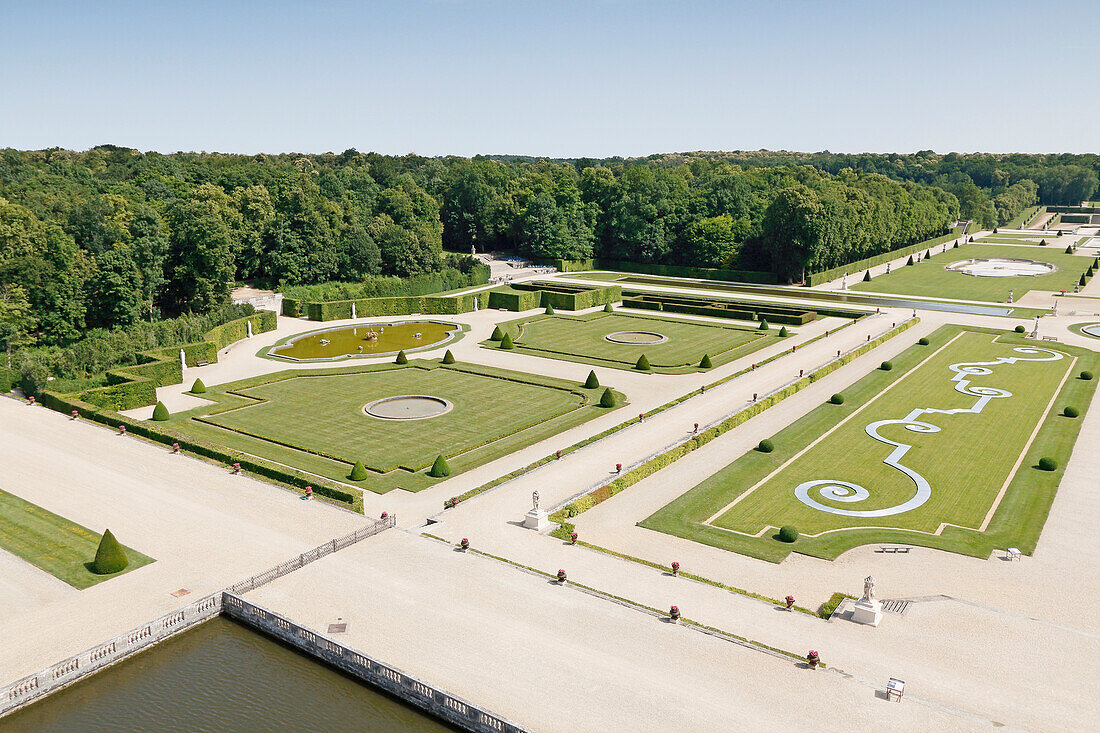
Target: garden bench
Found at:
x=201, y=363
x=1050, y=338
x=894, y=548
x=895, y=687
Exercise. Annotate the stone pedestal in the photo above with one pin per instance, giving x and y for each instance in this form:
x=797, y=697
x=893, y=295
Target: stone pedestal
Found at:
x=867, y=612
x=536, y=519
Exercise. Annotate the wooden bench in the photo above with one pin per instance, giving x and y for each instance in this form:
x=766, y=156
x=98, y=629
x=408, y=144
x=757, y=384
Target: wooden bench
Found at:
x=894, y=548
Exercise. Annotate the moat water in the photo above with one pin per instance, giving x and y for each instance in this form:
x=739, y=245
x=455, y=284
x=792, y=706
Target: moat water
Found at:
x=218, y=678
x=376, y=339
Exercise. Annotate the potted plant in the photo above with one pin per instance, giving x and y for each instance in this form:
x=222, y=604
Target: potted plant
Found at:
x=813, y=659
x=236, y=468
x=675, y=568
x=572, y=538
x=76, y=414
x=674, y=613
x=464, y=544
x=385, y=515
x=121, y=429
x=561, y=576
x=451, y=503
x=175, y=447
x=790, y=602
x=309, y=491
x=618, y=468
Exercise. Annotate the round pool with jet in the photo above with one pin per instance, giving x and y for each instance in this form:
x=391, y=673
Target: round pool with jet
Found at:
x=1001, y=267
x=408, y=407
x=636, y=338
x=371, y=339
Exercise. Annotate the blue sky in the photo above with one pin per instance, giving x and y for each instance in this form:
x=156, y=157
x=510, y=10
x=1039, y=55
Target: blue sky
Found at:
x=596, y=78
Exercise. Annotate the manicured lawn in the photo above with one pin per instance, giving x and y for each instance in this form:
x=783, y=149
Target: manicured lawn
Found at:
x=582, y=338
x=965, y=461
x=60, y=547
x=1052, y=240
x=313, y=420
x=931, y=279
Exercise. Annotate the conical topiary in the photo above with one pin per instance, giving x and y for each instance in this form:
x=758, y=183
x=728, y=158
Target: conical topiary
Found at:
x=607, y=399
x=109, y=556
x=910, y=262
x=956, y=246
x=497, y=334
x=867, y=275
x=704, y=363
x=549, y=309
x=642, y=364
x=783, y=332
x=592, y=382
x=927, y=254
x=358, y=472
x=1069, y=250
x=448, y=358
x=763, y=325
x=440, y=468
x=506, y=342
x=198, y=387
x=401, y=358
x=608, y=309
x=1082, y=282
x=160, y=412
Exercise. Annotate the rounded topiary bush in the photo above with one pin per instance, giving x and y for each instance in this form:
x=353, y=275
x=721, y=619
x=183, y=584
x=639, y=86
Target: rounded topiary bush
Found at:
x=923, y=341
x=1070, y=411
x=837, y=399
x=783, y=332
x=787, y=533
x=1019, y=329
x=1047, y=464
x=592, y=382
x=497, y=334
x=608, y=309
x=448, y=358
x=1086, y=375
x=763, y=325
x=109, y=556
x=885, y=366
x=160, y=412
x=358, y=471
x=607, y=399
x=506, y=342
x=401, y=358
x=705, y=363
x=765, y=446
x=642, y=364
x=198, y=387
x=549, y=310
x=440, y=468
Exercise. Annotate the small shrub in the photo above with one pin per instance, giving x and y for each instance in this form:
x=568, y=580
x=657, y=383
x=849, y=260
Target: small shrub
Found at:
x=1019, y=329
x=1069, y=411
x=1086, y=375
x=109, y=556
x=765, y=446
x=1047, y=464
x=448, y=358
x=867, y=276
x=1069, y=250
x=608, y=309
x=885, y=366
x=837, y=399
x=1042, y=242
x=783, y=332
x=705, y=363
x=506, y=342
x=607, y=399
x=1059, y=232
x=358, y=472
x=642, y=364
x=401, y=358
x=440, y=468
x=994, y=230
x=763, y=325
x=198, y=387
x=787, y=533
x=910, y=262
x=592, y=382
x=549, y=310
x=923, y=341
x=160, y=412
x=497, y=334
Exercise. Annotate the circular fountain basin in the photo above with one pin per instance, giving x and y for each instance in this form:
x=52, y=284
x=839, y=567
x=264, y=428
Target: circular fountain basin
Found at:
x=1093, y=329
x=369, y=339
x=408, y=407
x=1001, y=267
x=636, y=338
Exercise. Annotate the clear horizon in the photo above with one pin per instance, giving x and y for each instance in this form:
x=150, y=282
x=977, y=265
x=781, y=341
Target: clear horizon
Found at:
x=598, y=79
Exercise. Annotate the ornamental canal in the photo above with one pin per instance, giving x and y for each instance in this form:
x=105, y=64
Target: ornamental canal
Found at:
x=222, y=678
x=375, y=339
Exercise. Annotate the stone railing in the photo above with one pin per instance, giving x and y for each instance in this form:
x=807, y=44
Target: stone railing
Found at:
x=68, y=671
x=456, y=711
x=312, y=555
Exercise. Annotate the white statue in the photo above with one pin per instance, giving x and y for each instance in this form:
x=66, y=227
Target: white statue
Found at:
x=868, y=588
x=535, y=501
x=868, y=610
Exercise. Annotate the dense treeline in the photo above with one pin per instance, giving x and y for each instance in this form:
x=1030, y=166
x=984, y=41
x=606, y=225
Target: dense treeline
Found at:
x=975, y=179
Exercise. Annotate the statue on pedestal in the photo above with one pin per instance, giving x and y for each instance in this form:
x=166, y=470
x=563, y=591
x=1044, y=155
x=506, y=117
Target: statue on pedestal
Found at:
x=868, y=589
x=536, y=519
x=535, y=501
x=868, y=610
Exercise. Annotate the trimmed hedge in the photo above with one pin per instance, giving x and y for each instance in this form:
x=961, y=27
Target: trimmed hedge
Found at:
x=449, y=278
x=401, y=358
x=1086, y=375
x=837, y=399
x=109, y=556
x=886, y=366
x=705, y=362
x=497, y=334
x=787, y=533
x=593, y=381
x=765, y=446
x=1048, y=464
x=198, y=387
x=702, y=273
x=358, y=472
x=923, y=341
x=160, y=412
x=506, y=342
x=448, y=358
x=642, y=364
x=440, y=469
x=607, y=399
x=1019, y=329
x=432, y=305
x=1069, y=411
x=869, y=262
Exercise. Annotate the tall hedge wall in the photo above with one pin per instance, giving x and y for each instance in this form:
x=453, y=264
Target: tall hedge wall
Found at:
x=703, y=273
x=852, y=268
x=433, y=305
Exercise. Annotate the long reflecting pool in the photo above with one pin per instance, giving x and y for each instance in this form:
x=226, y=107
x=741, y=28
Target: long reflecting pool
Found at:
x=374, y=339
x=220, y=678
